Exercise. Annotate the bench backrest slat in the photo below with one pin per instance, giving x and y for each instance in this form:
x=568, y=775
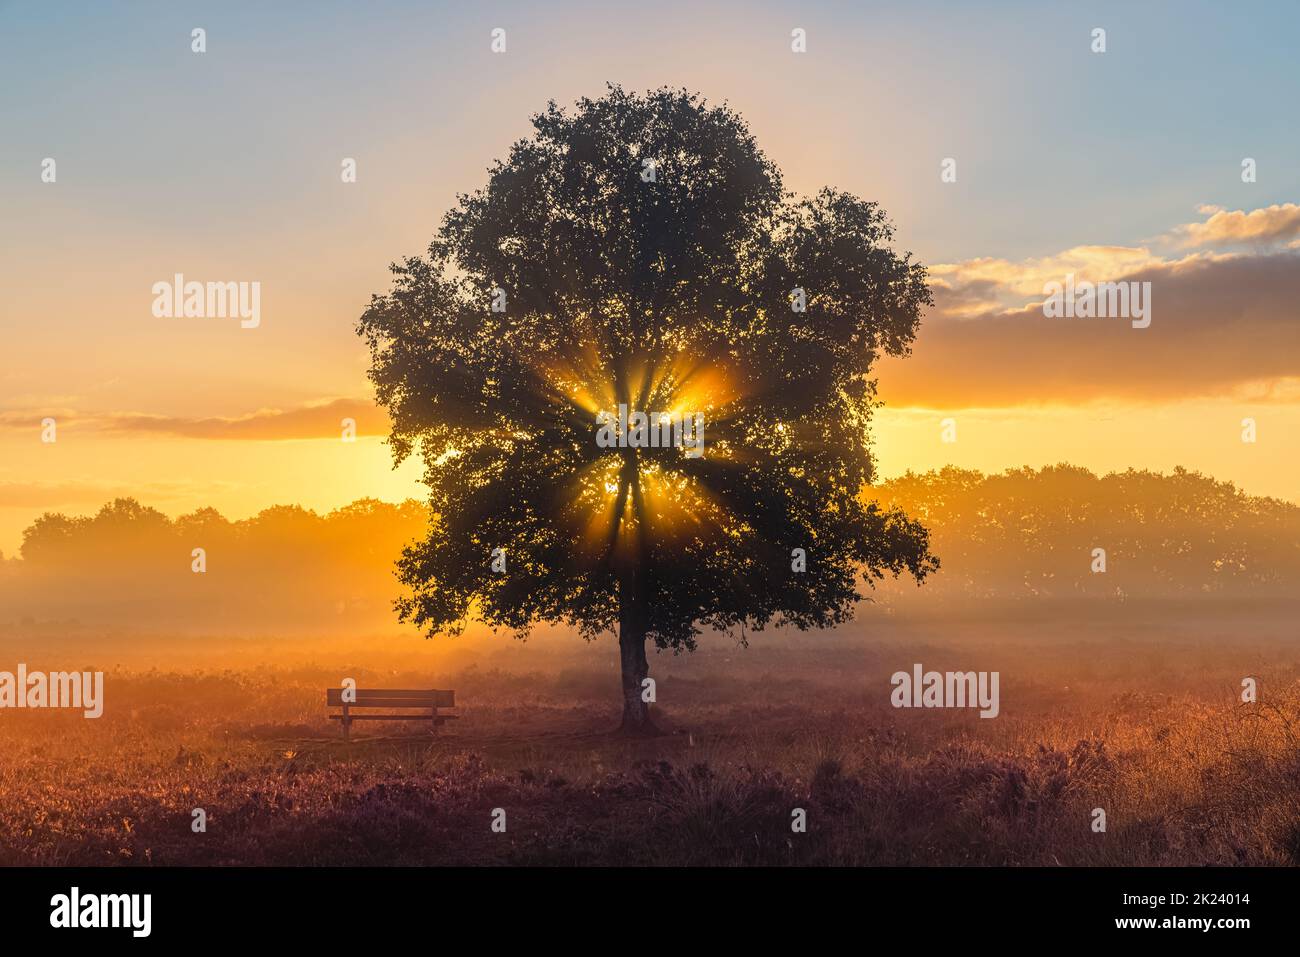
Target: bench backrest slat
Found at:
x=393, y=698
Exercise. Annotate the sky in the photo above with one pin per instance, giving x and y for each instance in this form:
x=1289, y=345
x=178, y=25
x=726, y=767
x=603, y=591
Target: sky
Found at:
x=226, y=164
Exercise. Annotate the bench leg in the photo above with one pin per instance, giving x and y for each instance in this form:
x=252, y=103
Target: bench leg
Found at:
x=347, y=724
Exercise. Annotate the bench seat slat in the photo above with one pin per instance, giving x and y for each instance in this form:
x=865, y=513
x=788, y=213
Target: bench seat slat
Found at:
x=380, y=698
x=390, y=703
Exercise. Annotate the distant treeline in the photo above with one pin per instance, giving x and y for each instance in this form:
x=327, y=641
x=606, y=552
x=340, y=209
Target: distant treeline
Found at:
x=1033, y=534
x=1021, y=534
x=285, y=569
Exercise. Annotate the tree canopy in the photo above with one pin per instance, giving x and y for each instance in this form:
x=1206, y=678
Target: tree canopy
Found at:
x=641, y=250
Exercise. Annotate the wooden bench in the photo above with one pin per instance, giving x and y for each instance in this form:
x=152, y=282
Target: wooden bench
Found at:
x=428, y=701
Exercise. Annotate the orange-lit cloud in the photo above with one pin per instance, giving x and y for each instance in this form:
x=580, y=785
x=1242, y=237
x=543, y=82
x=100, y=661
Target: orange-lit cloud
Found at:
x=976, y=287
x=61, y=494
x=314, y=421
x=979, y=285
x=1267, y=225
x=1223, y=325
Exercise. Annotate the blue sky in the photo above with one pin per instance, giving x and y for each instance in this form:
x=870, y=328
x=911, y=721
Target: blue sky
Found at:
x=1042, y=128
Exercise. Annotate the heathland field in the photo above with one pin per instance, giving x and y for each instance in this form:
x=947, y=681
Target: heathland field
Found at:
x=1136, y=711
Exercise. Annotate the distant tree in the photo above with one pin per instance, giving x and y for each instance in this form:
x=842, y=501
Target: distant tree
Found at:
x=50, y=537
x=640, y=250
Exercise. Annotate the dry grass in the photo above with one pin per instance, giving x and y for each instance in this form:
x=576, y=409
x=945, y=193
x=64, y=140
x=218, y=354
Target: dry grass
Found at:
x=1152, y=732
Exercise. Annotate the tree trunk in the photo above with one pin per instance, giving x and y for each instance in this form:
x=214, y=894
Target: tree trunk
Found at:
x=631, y=646
x=631, y=608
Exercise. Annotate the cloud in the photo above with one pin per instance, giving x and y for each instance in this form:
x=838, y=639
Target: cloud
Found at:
x=1269, y=225
x=1226, y=322
x=314, y=421
x=1223, y=325
x=982, y=285
x=34, y=495
x=976, y=287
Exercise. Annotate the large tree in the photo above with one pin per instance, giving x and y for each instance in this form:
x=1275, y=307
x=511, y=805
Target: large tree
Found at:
x=641, y=250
